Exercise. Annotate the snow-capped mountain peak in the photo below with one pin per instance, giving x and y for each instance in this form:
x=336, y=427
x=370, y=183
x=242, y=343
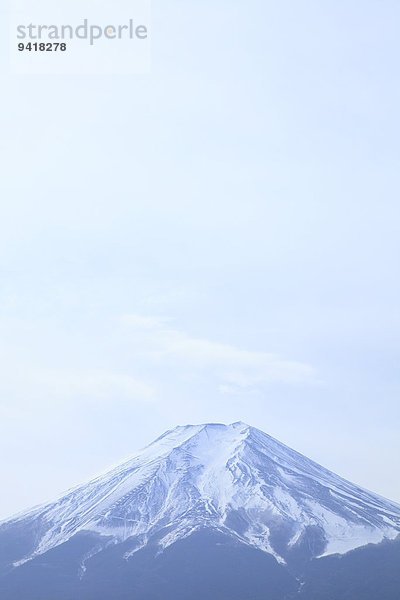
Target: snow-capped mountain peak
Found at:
x=231, y=478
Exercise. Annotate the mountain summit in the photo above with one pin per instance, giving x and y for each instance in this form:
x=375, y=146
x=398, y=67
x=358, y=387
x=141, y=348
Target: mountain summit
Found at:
x=231, y=481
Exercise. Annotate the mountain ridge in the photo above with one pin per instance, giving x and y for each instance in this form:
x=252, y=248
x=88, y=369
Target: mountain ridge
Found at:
x=233, y=479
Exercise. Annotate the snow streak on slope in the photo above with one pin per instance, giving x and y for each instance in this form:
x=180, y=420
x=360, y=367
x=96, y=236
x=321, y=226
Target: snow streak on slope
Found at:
x=234, y=479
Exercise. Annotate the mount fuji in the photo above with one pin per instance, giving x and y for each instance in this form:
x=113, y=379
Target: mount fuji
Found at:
x=206, y=511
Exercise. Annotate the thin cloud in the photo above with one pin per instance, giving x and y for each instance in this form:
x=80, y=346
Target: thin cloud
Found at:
x=232, y=365
x=41, y=386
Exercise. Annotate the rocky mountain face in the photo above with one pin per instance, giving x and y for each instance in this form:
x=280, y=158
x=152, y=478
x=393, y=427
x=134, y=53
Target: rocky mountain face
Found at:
x=204, y=511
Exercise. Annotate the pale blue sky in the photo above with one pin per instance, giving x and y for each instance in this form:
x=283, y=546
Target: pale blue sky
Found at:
x=216, y=241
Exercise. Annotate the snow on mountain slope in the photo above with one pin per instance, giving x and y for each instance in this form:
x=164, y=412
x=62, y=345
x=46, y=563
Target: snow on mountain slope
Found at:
x=231, y=478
